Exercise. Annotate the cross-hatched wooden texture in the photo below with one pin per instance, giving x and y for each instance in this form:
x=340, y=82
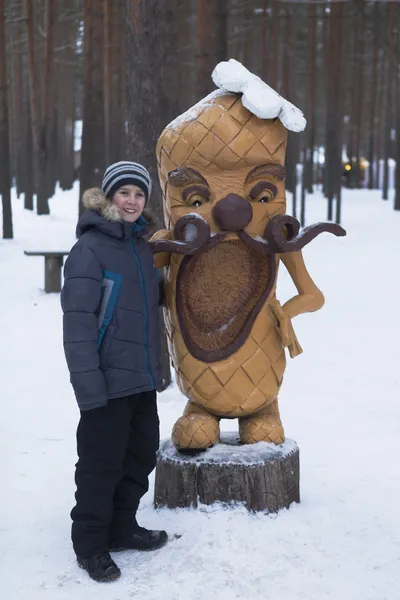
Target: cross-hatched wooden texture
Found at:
x=239, y=385
x=195, y=429
x=220, y=135
x=266, y=482
x=264, y=426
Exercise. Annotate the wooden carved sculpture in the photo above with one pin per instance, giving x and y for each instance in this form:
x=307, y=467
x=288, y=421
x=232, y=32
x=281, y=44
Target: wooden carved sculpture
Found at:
x=221, y=168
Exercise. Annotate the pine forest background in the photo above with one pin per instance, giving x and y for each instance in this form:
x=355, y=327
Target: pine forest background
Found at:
x=122, y=70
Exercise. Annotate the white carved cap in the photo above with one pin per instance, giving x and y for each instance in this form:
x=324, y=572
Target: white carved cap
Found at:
x=258, y=97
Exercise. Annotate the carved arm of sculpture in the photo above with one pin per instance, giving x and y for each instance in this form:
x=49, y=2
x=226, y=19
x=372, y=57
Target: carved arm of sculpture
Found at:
x=308, y=299
x=162, y=259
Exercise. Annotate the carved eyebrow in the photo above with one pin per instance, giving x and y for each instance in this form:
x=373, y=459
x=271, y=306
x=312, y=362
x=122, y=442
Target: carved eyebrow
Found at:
x=184, y=176
x=277, y=171
x=261, y=186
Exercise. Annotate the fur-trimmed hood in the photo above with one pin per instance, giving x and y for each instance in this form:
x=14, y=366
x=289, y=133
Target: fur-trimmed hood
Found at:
x=102, y=214
x=94, y=199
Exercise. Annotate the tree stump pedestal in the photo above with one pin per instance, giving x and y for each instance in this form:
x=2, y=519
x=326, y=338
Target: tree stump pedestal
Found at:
x=262, y=476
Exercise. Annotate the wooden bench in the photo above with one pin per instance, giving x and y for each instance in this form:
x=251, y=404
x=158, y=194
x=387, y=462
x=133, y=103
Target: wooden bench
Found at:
x=53, y=263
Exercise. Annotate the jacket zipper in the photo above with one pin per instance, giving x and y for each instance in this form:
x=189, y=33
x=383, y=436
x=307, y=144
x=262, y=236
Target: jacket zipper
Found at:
x=142, y=285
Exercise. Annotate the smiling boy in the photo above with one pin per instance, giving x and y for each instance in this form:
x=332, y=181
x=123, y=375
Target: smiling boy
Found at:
x=111, y=342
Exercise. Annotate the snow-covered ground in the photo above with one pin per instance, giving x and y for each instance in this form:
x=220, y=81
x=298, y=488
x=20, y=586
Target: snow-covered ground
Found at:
x=340, y=402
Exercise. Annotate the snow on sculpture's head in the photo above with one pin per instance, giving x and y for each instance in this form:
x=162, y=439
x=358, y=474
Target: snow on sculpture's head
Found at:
x=230, y=146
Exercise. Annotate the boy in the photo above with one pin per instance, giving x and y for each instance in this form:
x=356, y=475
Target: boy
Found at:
x=111, y=341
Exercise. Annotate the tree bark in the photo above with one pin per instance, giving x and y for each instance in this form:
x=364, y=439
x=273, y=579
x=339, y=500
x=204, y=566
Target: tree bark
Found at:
x=221, y=30
x=274, y=55
x=47, y=151
x=308, y=158
x=5, y=176
x=265, y=40
x=312, y=47
x=151, y=44
x=29, y=152
x=107, y=79
x=341, y=49
x=228, y=473
x=32, y=78
x=93, y=140
x=359, y=94
x=118, y=137
x=205, y=57
x=330, y=116
x=397, y=181
x=65, y=64
x=388, y=100
x=372, y=117
x=288, y=91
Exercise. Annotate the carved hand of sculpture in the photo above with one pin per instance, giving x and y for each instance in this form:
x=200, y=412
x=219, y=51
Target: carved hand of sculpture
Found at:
x=286, y=331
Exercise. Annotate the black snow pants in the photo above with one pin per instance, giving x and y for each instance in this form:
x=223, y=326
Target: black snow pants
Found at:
x=117, y=447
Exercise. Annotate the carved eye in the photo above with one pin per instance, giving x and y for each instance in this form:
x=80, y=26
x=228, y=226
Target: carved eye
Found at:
x=268, y=195
x=265, y=191
x=196, y=200
x=196, y=195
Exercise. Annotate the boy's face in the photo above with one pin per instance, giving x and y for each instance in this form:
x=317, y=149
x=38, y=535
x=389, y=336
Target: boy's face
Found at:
x=130, y=200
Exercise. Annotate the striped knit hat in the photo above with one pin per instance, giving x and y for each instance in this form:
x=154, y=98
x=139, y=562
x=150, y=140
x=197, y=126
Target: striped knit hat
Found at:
x=126, y=173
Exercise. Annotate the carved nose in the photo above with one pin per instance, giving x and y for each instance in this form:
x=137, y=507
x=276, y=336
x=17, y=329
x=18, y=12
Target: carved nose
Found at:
x=232, y=213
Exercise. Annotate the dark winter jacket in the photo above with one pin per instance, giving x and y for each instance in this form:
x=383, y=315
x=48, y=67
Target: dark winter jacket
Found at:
x=110, y=302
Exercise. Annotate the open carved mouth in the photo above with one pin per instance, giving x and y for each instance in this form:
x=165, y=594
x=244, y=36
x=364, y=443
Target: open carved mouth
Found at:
x=219, y=294
x=222, y=283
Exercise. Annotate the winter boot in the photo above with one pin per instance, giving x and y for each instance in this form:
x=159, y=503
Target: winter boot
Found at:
x=140, y=539
x=100, y=567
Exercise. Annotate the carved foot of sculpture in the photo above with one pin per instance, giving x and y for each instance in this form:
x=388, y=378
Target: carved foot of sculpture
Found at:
x=196, y=429
x=264, y=426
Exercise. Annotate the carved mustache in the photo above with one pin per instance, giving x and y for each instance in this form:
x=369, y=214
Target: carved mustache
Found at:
x=282, y=234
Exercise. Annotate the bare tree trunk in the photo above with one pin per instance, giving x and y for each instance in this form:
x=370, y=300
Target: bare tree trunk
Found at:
x=360, y=93
x=312, y=45
x=221, y=30
x=107, y=79
x=19, y=116
x=205, y=58
x=65, y=93
x=150, y=49
x=397, y=77
x=32, y=78
x=118, y=138
x=93, y=146
x=274, y=55
x=235, y=49
x=327, y=78
x=308, y=159
x=388, y=102
x=41, y=127
x=355, y=76
x=335, y=111
x=46, y=177
x=5, y=176
x=248, y=31
x=397, y=184
x=372, y=117
x=288, y=92
x=28, y=149
x=264, y=39
x=341, y=52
